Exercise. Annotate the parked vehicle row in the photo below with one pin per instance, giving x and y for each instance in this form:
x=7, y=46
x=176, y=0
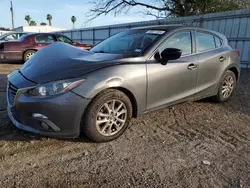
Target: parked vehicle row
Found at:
x=63, y=91
x=29, y=44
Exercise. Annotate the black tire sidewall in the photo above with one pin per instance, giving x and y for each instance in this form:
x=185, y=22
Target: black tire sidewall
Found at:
x=89, y=120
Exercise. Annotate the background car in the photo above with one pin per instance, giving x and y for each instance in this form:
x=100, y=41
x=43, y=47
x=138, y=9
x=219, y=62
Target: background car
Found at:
x=29, y=44
x=11, y=36
x=63, y=90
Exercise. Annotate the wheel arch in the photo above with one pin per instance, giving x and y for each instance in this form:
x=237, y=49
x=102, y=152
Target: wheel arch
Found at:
x=131, y=98
x=235, y=71
x=128, y=93
x=28, y=50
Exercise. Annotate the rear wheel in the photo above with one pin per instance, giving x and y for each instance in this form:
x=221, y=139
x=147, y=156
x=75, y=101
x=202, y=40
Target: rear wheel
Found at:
x=27, y=55
x=227, y=87
x=108, y=116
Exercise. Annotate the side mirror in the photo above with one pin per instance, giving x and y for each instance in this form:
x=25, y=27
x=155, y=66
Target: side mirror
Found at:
x=168, y=54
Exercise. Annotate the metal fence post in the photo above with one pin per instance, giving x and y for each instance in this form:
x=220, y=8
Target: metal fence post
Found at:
x=93, y=36
x=109, y=29
x=81, y=35
x=201, y=21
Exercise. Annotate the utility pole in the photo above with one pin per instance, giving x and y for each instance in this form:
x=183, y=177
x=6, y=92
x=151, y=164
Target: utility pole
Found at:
x=12, y=15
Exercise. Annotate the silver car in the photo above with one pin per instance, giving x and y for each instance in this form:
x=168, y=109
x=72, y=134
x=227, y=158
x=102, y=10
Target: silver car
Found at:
x=63, y=91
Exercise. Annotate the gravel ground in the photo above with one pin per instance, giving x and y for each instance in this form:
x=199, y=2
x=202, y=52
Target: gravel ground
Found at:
x=194, y=144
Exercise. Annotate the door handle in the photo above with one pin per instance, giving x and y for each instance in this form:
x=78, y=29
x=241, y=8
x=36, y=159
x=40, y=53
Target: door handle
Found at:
x=192, y=66
x=222, y=59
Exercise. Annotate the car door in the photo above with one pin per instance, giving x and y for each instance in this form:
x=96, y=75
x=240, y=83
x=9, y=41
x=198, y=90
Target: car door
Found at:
x=43, y=40
x=175, y=81
x=212, y=58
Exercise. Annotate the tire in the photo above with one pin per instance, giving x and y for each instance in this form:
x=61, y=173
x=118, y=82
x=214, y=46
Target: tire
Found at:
x=28, y=54
x=222, y=97
x=95, y=112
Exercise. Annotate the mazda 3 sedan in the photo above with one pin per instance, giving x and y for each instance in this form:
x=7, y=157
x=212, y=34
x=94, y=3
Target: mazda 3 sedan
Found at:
x=63, y=91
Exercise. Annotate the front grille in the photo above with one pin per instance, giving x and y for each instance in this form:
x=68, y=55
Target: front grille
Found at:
x=12, y=91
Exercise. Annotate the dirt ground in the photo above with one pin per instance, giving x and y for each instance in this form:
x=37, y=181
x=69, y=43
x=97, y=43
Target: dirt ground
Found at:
x=194, y=144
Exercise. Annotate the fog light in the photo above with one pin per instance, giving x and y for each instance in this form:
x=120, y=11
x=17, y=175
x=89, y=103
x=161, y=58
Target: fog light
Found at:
x=35, y=115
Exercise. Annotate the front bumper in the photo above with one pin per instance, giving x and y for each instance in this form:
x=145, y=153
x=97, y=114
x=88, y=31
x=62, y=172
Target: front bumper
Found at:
x=63, y=114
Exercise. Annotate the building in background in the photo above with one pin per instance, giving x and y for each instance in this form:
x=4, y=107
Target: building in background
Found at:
x=38, y=29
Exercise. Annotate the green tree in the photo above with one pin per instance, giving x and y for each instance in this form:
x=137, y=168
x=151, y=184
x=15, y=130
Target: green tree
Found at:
x=32, y=23
x=27, y=18
x=73, y=20
x=4, y=29
x=164, y=8
x=43, y=23
x=49, y=18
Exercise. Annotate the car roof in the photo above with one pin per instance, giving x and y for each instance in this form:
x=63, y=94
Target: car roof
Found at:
x=12, y=32
x=177, y=26
x=170, y=27
x=160, y=27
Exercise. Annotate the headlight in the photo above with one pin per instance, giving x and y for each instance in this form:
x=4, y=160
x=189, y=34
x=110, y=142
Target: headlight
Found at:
x=55, y=87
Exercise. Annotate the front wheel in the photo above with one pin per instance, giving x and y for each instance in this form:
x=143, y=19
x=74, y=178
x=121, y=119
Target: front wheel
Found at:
x=107, y=116
x=227, y=87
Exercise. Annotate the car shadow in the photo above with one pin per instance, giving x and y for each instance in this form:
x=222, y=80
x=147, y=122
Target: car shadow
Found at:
x=13, y=134
x=7, y=61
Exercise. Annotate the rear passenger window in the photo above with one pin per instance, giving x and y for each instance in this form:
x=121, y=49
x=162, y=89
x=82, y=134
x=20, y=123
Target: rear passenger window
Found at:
x=45, y=38
x=218, y=42
x=204, y=42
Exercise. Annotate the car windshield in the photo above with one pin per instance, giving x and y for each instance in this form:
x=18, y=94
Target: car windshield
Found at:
x=128, y=42
x=3, y=36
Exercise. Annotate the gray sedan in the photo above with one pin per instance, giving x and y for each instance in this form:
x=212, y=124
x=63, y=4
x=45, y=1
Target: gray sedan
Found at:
x=63, y=91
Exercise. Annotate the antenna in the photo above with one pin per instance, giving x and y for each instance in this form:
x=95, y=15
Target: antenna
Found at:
x=12, y=15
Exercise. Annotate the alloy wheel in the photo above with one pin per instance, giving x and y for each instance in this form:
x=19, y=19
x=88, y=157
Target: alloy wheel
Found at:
x=29, y=55
x=227, y=87
x=111, y=117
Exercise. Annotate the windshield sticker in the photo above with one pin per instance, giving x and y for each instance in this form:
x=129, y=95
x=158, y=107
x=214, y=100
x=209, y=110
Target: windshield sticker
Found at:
x=157, y=32
x=137, y=50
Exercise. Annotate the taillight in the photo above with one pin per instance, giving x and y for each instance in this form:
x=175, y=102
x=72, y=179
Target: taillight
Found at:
x=238, y=52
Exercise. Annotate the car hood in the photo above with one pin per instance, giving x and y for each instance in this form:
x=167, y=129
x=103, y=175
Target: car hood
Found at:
x=62, y=61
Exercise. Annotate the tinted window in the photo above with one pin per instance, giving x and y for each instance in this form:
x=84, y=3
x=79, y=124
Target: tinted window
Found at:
x=64, y=39
x=218, y=42
x=45, y=38
x=181, y=41
x=204, y=41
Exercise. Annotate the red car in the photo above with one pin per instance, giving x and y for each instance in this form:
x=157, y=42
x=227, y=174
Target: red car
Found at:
x=29, y=44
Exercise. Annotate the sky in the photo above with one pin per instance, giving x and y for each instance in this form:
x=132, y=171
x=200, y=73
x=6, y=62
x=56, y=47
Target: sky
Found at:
x=61, y=11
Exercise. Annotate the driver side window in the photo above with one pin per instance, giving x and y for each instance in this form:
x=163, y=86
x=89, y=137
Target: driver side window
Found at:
x=180, y=40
